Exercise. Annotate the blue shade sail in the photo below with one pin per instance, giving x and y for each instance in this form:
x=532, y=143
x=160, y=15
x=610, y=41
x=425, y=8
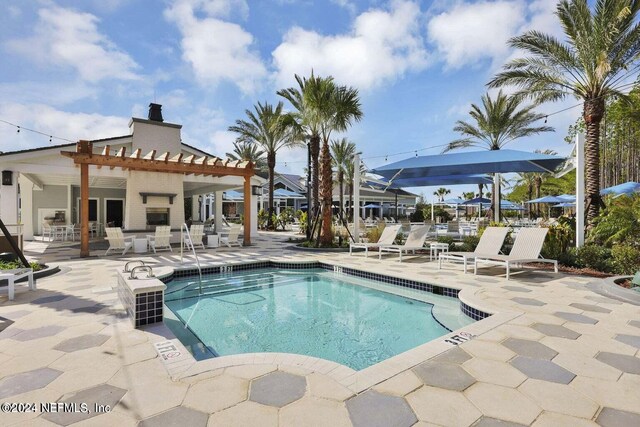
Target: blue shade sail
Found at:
x=626, y=188
x=427, y=181
x=470, y=163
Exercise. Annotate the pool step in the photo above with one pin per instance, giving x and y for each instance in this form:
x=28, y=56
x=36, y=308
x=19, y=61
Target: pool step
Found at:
x=220, y=288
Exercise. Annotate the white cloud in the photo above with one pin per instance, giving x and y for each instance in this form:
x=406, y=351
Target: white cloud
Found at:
x=349, y=6
x=381, y=46
x=469, y=33
x=68, y=38
x=51, y=121
x=217, y=50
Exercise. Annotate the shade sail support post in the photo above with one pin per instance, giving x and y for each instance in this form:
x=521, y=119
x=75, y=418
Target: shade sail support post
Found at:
x=580, y=209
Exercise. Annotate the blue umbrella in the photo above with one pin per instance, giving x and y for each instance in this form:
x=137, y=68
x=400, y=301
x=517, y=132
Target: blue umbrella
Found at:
x=426, y=181
x=472, y=162
x=565, y=205
x=626, y=188
x=454, y=201
x=371, y=205
x=477, y=201
x=568, y=197
x=510, y=206
x=548, y=199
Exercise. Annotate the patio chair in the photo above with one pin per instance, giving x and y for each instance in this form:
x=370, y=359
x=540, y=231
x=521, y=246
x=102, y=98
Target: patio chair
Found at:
x=415, y=240
x=47, y=231
x=73, y=230
x=196, y=232
x=232, y=238
x=526, y=249
x=386, y=238
x=13, y=275
x=117, y=241
x=490, y=243
x=161, y=239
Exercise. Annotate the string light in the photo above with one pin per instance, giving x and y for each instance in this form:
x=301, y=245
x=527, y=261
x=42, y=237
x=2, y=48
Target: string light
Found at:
x=18, y=131
x=545, y=118
x=21, y=128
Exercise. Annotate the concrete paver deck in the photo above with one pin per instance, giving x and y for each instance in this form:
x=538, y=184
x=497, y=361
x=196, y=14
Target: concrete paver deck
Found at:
x=554, y=353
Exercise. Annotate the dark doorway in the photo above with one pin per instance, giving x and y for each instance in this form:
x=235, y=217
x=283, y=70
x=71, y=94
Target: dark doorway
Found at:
x=114, y=214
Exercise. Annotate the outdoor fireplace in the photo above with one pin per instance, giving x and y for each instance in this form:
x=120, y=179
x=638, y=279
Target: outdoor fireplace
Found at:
x=157, y=216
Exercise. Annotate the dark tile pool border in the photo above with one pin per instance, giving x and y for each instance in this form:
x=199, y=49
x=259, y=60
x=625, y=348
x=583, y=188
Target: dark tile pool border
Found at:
x=469, y=311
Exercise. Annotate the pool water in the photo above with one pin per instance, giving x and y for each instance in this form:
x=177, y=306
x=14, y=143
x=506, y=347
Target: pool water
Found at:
x=309, y=312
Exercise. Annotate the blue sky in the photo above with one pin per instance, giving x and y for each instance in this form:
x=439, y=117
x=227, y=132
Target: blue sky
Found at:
x=81, y=69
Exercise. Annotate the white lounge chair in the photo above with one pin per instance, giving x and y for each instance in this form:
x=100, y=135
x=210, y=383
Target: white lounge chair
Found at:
x=415, y=240
x=11, y=276
x=117, y=241
x=526, y=249
x=490, y=243
x=386, y=238
x=196, y=232
x=161, y=239
x=232, y=238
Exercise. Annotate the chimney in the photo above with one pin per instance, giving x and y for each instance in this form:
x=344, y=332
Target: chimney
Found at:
x=155, y=112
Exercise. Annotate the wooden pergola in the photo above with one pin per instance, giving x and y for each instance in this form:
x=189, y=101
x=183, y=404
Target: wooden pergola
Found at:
x=186, y=165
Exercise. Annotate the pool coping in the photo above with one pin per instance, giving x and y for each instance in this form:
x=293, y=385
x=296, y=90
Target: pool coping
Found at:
x=181, y=364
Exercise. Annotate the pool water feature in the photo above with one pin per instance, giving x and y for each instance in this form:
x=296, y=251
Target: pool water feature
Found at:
x=315, y=312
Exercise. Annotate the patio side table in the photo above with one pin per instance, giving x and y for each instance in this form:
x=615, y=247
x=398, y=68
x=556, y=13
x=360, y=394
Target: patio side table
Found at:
x=140, y=246
x=436, y=248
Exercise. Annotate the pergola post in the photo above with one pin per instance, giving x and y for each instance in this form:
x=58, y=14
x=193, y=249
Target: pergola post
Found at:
x=247, y=210
x=84, y=147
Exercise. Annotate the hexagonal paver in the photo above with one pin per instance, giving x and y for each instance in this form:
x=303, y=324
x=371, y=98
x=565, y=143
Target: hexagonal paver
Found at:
x=560, y=398
x=629, y=364
x=528, y=301
x=555, y=331
x=494, y=422
x=590, y=307
x=455, y=355
x=575, y=317
x=632, y=340
x=82, y=342
x=444, y=375
x=311, y=411
x=277, y=389
x=494, y=372
x=516, y=289
x=52, y=298
x=376, y=409
x=247, y=413
x=635, y=323
x=610, y=417
x=214, y=394
x=27, y=381
x=503, y=403
x=529, y=348
x=104, y=394
x=41, y=332
x=442, y=407
x=177, y=417
x=542, y=369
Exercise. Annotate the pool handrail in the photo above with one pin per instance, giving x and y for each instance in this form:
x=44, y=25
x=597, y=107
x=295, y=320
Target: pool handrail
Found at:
x=184, y=228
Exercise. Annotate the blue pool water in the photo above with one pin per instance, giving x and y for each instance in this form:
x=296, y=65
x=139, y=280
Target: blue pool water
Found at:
x=309, y=312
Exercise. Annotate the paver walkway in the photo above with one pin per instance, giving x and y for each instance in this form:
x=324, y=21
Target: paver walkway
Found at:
x=567, y=357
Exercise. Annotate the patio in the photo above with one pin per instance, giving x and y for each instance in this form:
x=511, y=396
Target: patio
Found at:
x=555, y=353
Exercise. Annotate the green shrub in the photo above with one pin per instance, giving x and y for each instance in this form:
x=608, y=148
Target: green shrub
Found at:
x=595, y=257
x=302, y=217
x=10, y=265
x=626, y=259
x=417, y=216
x=559, y=239
x=448, y=240
x=373, y=234
x=469, y=243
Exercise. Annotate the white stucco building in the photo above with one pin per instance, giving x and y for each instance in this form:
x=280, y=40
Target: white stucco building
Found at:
x=40, y=184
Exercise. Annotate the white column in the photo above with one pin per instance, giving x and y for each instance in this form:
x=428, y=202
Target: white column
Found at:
x=433, y=215
x=9, y=201
x=69, y=217
x=26, y=208
x=356, y=197
x=195, y=213
x=218, y=211
x=579, y=190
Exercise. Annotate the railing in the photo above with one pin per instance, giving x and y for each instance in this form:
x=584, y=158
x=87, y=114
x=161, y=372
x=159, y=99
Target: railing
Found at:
x=184, y=229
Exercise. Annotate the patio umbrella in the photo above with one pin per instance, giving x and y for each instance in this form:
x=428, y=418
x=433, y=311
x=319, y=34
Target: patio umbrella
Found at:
x=471, y=162
x=425, y=181
x=565, y=205
x=454, y=201
x=568, y=197
x=371, y=205
x=477, y=201
x=626, y=188
x=548, y=199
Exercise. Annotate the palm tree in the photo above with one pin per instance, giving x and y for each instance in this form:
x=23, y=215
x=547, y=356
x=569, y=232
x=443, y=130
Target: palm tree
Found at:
x=272, y=130
x=498, y=122
x=528, y=179
x=601, y=51
x=342, y=108
x=308, y=100
x=441, y=192
x=342, y=151
x=244, y=150
x=349, y=175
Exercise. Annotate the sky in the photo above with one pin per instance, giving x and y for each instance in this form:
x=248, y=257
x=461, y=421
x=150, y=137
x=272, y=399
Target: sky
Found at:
x=81, y=69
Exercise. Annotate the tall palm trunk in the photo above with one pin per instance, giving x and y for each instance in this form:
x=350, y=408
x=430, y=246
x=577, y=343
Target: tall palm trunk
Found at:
x=271, y=164
x=341, y=189
x=349, y=213
x=530, y=195
x=593, y=113
x=537, y=183
x=326, y=187
x=314, y=147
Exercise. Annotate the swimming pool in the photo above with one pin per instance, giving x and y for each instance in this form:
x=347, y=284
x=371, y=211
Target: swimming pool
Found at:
x=313, y=312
